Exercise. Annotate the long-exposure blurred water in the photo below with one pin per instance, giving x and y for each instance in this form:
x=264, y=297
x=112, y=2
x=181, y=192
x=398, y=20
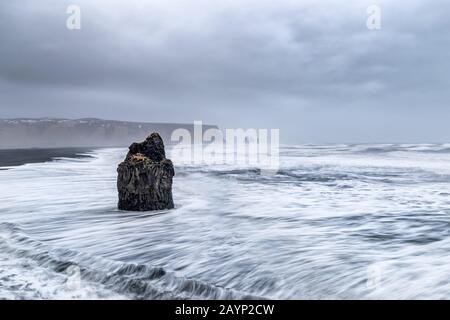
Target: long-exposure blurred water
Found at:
x=339, y=222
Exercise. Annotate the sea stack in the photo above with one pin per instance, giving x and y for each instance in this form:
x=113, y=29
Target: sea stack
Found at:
x=145, y=177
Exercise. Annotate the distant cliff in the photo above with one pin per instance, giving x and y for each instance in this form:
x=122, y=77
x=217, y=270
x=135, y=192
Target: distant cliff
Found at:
x=49, y=132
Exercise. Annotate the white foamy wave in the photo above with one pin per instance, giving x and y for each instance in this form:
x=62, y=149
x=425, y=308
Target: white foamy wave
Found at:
x=318, y=228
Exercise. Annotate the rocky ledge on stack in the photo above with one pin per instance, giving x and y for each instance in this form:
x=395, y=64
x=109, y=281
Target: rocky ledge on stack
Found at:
x=145, y=177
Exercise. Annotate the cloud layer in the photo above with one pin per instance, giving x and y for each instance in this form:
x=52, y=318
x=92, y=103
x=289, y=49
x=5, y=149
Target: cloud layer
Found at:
x=310, y=68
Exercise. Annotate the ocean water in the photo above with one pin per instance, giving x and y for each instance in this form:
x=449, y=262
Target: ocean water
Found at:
x=336, y=222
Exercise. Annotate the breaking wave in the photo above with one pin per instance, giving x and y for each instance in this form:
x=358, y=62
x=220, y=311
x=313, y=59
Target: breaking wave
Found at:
x=122, y=280
x=337, y=221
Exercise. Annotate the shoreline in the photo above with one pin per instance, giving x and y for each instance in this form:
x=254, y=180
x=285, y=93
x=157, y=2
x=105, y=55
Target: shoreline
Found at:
x=10, y=158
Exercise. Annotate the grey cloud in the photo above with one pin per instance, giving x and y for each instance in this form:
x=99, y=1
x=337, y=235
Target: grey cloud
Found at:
x=310, y=68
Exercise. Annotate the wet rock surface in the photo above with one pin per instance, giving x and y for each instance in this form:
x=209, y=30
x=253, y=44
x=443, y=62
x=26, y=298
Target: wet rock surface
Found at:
x=144, y=179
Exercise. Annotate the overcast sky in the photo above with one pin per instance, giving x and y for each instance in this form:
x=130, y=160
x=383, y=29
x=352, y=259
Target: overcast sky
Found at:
x=310, y=68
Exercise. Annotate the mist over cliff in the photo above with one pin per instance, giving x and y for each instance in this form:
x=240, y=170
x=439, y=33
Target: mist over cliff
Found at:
x=89, y=132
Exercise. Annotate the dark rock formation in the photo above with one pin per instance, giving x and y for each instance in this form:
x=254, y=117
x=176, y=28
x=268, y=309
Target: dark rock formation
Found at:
x=144, y=179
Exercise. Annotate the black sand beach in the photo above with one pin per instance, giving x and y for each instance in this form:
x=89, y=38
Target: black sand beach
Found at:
x=18, y=157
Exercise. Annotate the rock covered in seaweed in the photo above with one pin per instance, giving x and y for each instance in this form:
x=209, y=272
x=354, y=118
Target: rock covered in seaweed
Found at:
x=144, y=179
